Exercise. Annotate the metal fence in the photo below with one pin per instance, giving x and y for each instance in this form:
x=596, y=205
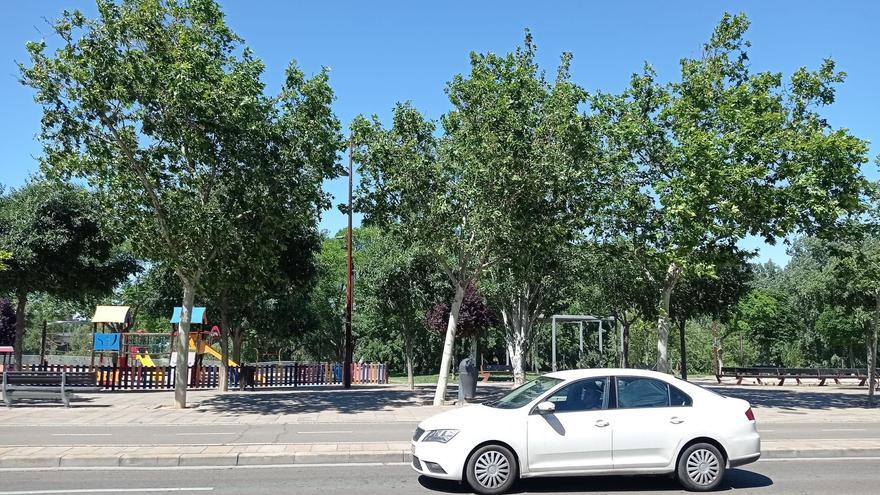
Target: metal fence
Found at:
x=207, y=377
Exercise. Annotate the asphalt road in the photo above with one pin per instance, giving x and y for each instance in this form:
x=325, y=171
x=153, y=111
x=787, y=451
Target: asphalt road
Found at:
x=325, y=432
x=796, y=476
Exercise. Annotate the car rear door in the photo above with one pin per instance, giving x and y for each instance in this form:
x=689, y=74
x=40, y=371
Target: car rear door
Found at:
x=577, y=436
x=649, y=421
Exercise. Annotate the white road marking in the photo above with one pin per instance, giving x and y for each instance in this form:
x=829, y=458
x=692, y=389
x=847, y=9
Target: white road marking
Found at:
x=327, y=432
x=112, y=490
x=845, y=429
x=82, y=434
x=820, y=459
x=202, y=433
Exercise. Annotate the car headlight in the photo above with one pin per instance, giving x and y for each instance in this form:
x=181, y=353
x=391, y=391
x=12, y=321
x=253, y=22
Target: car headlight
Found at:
x=441, y=436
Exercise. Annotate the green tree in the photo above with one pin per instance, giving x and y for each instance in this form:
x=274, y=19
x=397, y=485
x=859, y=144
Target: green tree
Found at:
x=767, y=318
x=7, y=322
x=714, y=294
x=856, y=265
x=399, y=281
x=60, y=245
x=160, y=107
x=468, y=194
x=721, y=154
x=612, y=282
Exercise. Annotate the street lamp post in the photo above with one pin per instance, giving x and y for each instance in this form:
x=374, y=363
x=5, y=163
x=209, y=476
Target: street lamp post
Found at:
x=349, y=293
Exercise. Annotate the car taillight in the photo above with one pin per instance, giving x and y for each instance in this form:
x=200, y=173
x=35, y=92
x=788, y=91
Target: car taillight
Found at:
x=750, y=415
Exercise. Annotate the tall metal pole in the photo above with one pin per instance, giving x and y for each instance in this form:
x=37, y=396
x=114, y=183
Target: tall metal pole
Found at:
x=349, y=294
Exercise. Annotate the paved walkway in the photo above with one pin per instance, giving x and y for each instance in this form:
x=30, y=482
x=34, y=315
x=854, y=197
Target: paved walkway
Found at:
x=360, y=406
x=376, y=404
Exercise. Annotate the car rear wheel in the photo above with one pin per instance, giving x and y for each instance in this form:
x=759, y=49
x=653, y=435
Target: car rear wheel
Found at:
x=491, y=470
x=701, y=467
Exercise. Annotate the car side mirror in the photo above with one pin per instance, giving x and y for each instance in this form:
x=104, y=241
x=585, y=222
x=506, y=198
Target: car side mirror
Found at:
x=546, y=407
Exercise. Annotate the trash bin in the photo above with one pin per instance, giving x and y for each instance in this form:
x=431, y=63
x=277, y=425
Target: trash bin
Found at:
x=467, y=379
x=246, y=378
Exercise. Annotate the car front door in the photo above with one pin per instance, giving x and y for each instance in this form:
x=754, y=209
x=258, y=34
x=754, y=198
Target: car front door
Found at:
x=576, y=436
x=649, y=422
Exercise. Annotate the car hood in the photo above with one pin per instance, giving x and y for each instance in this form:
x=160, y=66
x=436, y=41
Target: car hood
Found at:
x=461, y=417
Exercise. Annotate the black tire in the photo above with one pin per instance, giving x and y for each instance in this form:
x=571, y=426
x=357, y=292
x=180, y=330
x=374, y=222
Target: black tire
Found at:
x=701, y=467
x=485, y=480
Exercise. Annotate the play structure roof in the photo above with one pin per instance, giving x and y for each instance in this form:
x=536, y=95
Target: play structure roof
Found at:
x=198, y=315
x=111, y=314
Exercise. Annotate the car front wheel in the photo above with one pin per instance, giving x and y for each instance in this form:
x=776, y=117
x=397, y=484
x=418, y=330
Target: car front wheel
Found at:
x=701, y=467
x=491, y=470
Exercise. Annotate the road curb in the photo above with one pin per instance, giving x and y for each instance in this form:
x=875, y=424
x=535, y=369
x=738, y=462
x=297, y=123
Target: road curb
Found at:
x=807, y=453
x=231, y=459
x=336, y=457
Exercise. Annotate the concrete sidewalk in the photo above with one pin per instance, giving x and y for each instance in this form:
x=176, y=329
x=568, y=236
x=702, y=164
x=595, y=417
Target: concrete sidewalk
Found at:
x=384, y=404
x=364, y=404
x=358, y=406
x=322, y=453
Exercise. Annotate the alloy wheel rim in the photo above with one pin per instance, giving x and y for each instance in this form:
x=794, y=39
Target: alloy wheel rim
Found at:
x=492, y=469
x=703, y=467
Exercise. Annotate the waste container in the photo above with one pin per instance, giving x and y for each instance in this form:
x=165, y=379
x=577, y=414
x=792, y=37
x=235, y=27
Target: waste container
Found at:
x=467, y=379
x=246, y=378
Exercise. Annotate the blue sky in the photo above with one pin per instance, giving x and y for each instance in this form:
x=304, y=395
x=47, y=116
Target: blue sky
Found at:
x=381, y=52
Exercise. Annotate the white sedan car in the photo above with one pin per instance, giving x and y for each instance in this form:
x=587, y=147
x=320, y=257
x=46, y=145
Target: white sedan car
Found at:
x=590, y=422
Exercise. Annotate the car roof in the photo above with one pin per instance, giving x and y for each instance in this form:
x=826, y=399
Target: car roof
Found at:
x=591, y=372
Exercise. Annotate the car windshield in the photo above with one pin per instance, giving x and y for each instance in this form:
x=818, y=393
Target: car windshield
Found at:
x=526, y=393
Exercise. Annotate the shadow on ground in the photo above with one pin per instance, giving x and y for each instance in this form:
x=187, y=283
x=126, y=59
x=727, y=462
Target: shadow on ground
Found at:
x=75, y=401
x=736, y=479
x=786, y=398
x=335, y=399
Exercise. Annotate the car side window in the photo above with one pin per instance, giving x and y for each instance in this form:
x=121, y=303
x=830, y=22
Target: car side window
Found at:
x=677, y=398
x=635, y=391
x=583, y=395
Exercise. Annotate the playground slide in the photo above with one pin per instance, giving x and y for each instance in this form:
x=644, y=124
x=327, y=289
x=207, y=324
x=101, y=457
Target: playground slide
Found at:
x=208, y=349
x=145, y=360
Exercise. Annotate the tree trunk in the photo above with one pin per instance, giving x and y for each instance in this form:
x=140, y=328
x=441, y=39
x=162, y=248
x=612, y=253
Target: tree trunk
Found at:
x=20, y=325
x=440, y=393
x=408, y=351
x=683, y=349
x=181, y=372
x=672, y=273
x=624, y=352
x=716, y=349
x=517, y=332
x=872, y=352
x=237, y=339
x=473, y=355
x=852, y=356
x=224, y=344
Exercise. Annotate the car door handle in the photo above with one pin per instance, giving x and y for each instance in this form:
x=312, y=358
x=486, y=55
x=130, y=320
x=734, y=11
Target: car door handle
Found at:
x=676, y=420
x=601, y=423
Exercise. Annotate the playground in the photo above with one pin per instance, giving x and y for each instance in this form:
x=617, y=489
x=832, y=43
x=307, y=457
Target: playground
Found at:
x=124, y=357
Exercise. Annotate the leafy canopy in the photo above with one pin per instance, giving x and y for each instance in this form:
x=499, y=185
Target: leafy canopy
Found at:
x=724, y=153
x=60, y=243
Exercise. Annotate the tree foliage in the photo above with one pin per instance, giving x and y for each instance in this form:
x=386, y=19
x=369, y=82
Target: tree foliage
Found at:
x=60, y=245
x=724, y=153
x=7, y=322
x=160, y=107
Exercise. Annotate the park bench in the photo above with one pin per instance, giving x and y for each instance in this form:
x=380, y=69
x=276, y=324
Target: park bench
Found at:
x=47, y=384
x=487, y=369
x=797, y=374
